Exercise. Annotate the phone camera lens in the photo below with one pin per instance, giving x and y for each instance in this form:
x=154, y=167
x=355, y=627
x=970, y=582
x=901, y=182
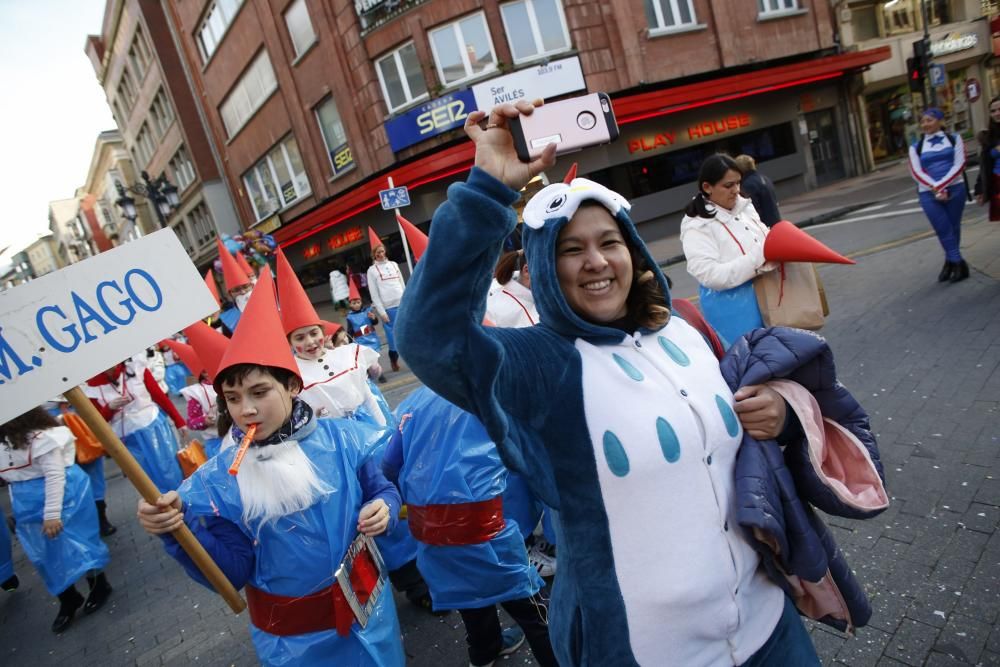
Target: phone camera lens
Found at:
x=586, y=120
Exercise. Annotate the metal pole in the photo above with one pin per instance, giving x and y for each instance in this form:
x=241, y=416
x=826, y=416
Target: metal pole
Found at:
x=930, y=94
x=406, y=246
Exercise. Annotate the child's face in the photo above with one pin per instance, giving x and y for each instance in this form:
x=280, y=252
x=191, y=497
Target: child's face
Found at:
x=307, y=342
x=355, y=304
x=340, y=338
x=259, y=399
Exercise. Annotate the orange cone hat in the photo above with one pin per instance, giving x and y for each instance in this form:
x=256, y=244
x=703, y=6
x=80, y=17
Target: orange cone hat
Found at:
x=352, y=287
x=260, y=341
x=787, y=243
x=373, y=239
x=329, y=328
x=187, y=355
x=232, y=275
x=416, y=238
x=212, y=287
x=296, y=309
x=245, y=265
x=208, y=344
x=571, y=174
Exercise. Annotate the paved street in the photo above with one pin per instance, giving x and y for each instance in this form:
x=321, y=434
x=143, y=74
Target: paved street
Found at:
x=924, y=358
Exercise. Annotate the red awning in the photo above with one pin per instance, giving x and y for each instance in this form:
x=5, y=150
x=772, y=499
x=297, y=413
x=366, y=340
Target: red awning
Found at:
x=458, y=159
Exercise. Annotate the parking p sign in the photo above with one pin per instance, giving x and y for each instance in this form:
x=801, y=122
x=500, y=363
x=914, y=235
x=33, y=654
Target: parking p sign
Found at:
x=394, y=198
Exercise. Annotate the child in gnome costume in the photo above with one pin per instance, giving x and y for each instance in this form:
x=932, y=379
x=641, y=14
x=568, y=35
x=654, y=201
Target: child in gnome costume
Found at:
x=239, y=280
x=336, y=381
x=284, y=523
x=209, y=346
x=385, y=284
x=471, y=551
x=200, y=396
x=140, y=413
x=56, y=522
x=361, y=322
x=617, y=413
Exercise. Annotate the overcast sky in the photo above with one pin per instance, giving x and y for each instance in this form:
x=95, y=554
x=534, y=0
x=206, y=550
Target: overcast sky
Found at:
x=52, y=110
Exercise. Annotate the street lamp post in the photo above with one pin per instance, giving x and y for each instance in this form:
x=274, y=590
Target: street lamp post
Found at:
x=161, y=192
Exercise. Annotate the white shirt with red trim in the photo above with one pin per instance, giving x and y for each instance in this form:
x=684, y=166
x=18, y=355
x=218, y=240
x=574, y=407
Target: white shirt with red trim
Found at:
x=336, y=384
x=511, y=305
x=386, y=286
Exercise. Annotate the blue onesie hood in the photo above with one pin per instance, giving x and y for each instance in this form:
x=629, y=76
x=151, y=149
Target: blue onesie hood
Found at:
x=544, y=217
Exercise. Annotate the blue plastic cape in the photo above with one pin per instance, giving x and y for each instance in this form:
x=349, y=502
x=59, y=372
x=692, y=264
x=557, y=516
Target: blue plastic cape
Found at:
x=230, y=317
x=211, y=446
x=77, y=549
x=448, y=458
x=6, y=559
x=176, y=376
x=155, y=448
x=732, y=312
x=95, y=471
x=390, y=419
x=298, y=554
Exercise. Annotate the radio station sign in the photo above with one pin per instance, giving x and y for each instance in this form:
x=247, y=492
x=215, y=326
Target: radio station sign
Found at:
x=429, y=120
x=544, y=81
x=65, y=327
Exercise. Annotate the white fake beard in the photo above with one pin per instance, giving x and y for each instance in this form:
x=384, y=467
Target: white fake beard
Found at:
x=241, y=301
x=278, y=480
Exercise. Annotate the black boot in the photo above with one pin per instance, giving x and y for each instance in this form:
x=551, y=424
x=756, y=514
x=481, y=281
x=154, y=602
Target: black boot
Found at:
x=961, y=271
x=10, y=584
x=394, y=359
x=946, y=272
x=100, y=591
x=102, y=516
x=69, y=601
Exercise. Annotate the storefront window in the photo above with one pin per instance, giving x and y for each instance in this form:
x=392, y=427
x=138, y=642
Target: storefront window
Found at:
x=891, y=123
x=953, y=102
x=680, y=167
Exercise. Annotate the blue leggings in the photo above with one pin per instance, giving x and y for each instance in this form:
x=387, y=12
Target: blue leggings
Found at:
x=946, y=219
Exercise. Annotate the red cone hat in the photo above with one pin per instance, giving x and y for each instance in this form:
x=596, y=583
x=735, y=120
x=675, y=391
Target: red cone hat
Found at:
x=208, y=344
x=416, y=238
x=232, y=275
x=295, y=307
x=373, y=239
x=787, y=243
x=571, y=174
x=352, y=287
x=259, y=339
x=329, y=328
x=212, y=287
x=245, y=265
x=187, y=355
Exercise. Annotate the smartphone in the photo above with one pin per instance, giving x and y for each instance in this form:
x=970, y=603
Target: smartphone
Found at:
x=571, y=124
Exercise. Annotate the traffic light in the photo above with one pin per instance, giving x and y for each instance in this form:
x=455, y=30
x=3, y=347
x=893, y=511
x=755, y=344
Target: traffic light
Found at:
x=915, y=75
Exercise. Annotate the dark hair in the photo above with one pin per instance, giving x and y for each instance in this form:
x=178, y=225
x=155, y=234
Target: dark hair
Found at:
x=224, y=420
x=508, y=264
x=237, y=373
x=17, y=430
x=712, y=170
x=994, y=127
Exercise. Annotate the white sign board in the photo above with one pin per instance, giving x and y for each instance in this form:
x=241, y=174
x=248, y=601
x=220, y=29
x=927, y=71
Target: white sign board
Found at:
x=544, y=81
x=65, y=327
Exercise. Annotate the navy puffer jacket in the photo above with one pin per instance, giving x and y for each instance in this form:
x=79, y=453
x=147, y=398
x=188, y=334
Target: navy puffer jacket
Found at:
x=776, y=490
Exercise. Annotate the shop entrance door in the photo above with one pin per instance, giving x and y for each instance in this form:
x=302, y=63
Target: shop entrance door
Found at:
x=823, y=141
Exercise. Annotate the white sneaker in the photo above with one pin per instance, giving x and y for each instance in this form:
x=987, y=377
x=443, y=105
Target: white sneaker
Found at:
x=541, y=561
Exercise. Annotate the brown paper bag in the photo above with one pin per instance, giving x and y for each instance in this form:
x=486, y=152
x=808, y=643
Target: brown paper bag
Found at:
x=822, y=293
x=789, y=296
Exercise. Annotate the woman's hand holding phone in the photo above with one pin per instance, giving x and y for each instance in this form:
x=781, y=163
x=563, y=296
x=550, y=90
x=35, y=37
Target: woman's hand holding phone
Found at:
x=495, y=152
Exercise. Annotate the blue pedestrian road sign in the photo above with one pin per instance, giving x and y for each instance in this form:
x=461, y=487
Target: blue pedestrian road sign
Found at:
x=394, y=197
x=937, y=75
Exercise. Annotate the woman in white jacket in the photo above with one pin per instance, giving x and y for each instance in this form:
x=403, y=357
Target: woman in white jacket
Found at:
x=510, y=303
x=723, y=239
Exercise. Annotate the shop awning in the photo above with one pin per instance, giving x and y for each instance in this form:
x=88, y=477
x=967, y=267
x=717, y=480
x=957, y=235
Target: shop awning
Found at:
x=628, y=109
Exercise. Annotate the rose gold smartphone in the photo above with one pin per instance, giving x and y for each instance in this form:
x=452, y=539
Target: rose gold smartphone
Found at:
x=570, y=124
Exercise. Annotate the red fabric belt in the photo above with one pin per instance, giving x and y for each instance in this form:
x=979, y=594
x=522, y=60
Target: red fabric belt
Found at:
x=324, y=610
x=457, y=524
x=365, y=330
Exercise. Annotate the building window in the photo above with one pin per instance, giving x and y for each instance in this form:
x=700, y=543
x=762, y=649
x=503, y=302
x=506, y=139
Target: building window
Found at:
x=182, y=169
x=775, y=7
x=463, y=49
x=117, y=110
x=300, y=28
x=670, y=14
x=523, y=22
x=200, y=225
x=138, y=54
x=277, y=180
x=401, y=78
x=182, y=233
x=334, y=136
x=253, y=88
x=126, y=89
x=161, y=113
x=217, y=19
x=144, y=146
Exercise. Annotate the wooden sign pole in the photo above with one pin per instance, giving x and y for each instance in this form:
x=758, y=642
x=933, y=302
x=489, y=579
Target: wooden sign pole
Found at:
x=144, y=485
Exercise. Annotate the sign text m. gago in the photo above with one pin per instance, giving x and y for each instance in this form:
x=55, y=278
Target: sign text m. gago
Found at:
x=67, y=326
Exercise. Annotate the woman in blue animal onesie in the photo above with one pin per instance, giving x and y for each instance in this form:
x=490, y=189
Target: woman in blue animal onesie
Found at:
x=471, y=551
x=283, y=524
x=54, y=510
x=613, y=409
x=937, y=163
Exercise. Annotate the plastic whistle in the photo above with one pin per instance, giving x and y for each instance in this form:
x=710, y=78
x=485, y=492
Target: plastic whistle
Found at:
x=242, y=451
